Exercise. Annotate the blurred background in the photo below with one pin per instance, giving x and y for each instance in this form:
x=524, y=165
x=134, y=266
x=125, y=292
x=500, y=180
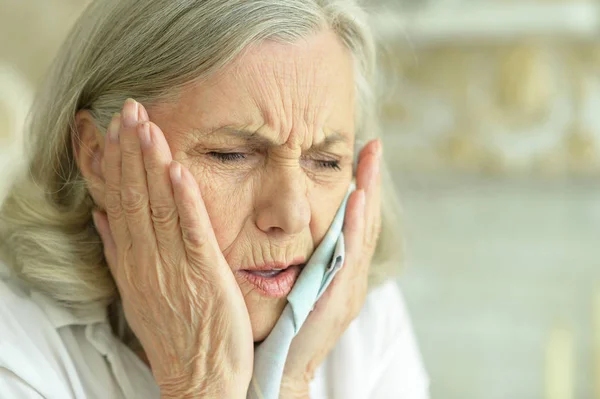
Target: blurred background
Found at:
x=492, y=131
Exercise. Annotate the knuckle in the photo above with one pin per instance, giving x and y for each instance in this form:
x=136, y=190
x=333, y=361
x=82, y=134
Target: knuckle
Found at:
x=154, y=166
x=194, y=239
x=163, y=213
x=130, y=149
x=132, y=200
x=113, y=202
x=188, y=206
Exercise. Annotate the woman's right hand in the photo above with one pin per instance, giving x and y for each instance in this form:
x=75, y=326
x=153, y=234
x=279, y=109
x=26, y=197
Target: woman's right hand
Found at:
x=178, y=293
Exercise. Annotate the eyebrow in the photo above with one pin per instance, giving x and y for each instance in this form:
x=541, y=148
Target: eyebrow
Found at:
x=256, y=139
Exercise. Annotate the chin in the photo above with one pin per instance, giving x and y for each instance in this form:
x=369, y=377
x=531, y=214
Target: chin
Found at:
x=264, y=308
x=261, y=330
x=264, y=313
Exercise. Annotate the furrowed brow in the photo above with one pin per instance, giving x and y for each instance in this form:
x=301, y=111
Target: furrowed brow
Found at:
x=329, y=141
x=258, y=140
x=249, y=136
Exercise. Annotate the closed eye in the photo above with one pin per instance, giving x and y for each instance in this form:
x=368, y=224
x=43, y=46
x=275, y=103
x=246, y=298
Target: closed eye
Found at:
x=335, y=165
x=227, y=156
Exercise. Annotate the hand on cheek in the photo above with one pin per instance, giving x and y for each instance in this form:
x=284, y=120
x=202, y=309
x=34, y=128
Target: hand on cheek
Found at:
x=344, y=298
x=174, y=282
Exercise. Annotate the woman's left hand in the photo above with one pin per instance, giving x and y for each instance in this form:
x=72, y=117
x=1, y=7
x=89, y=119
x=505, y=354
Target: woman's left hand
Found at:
x=344, y=298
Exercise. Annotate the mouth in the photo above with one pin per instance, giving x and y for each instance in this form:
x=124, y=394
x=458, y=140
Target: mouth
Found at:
x=275, y=281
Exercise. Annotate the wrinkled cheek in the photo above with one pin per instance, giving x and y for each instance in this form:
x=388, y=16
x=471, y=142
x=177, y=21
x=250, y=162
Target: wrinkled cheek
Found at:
x=228, y=207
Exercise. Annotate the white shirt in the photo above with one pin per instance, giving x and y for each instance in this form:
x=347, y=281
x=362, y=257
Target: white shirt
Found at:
x=48, y=352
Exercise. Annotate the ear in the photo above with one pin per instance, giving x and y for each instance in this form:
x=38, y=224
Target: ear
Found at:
x=88, y=149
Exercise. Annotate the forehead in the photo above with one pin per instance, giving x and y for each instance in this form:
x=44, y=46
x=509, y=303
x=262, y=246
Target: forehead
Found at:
x=281, y=86
x=319, y=62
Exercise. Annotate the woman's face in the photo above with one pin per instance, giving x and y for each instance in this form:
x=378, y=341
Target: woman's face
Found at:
x=270, y=141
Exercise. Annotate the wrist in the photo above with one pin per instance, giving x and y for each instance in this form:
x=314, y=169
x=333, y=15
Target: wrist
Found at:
x=206, y=388
x=203, y=393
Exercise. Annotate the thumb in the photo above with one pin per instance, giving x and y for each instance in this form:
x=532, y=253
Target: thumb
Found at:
x=110, y=248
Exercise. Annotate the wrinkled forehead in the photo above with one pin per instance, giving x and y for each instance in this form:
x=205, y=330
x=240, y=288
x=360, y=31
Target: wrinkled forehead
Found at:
x=311, y=80
x=318, y=64
x=302, y=91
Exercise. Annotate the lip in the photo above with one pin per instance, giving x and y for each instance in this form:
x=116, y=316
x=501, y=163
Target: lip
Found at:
x=277, y=286
x=299, y=260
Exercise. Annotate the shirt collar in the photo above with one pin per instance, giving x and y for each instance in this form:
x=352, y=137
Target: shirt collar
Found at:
x=61, y=316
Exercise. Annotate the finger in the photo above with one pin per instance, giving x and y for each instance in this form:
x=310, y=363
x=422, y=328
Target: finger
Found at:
x=368, y=165
x=354, y=231
x=108, y=242
x=373, y=214
x=112, y=176
x=196, y=230
x=354, y=225
x=157, y=158
x=368, y=177
x=134, y=186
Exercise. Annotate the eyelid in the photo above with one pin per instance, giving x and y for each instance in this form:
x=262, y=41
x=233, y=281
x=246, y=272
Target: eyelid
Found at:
x=227, y=156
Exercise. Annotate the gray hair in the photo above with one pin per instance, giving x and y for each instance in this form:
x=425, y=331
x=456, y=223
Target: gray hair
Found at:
x=149, y=50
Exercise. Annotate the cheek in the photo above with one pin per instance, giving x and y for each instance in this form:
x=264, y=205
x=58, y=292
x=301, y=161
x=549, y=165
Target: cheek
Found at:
x=325, y=202
x=229, y=199
x=228, y=204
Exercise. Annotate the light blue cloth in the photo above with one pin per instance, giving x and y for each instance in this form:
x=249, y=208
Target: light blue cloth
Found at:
x=271, y=354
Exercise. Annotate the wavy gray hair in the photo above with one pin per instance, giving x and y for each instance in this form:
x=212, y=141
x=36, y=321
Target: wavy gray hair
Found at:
x=148, y=50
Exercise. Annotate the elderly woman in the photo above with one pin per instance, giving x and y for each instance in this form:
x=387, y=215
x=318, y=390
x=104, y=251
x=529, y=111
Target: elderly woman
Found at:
x=187, y=157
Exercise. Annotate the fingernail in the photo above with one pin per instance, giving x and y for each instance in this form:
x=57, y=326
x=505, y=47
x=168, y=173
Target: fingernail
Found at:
x=175, y=172
x=142, y=113
x=113, y=128
x=144, y=134
x=130, y=113
x=379, y=149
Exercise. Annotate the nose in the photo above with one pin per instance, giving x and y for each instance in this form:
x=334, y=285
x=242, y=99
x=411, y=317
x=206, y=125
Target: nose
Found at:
x=283, y=205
